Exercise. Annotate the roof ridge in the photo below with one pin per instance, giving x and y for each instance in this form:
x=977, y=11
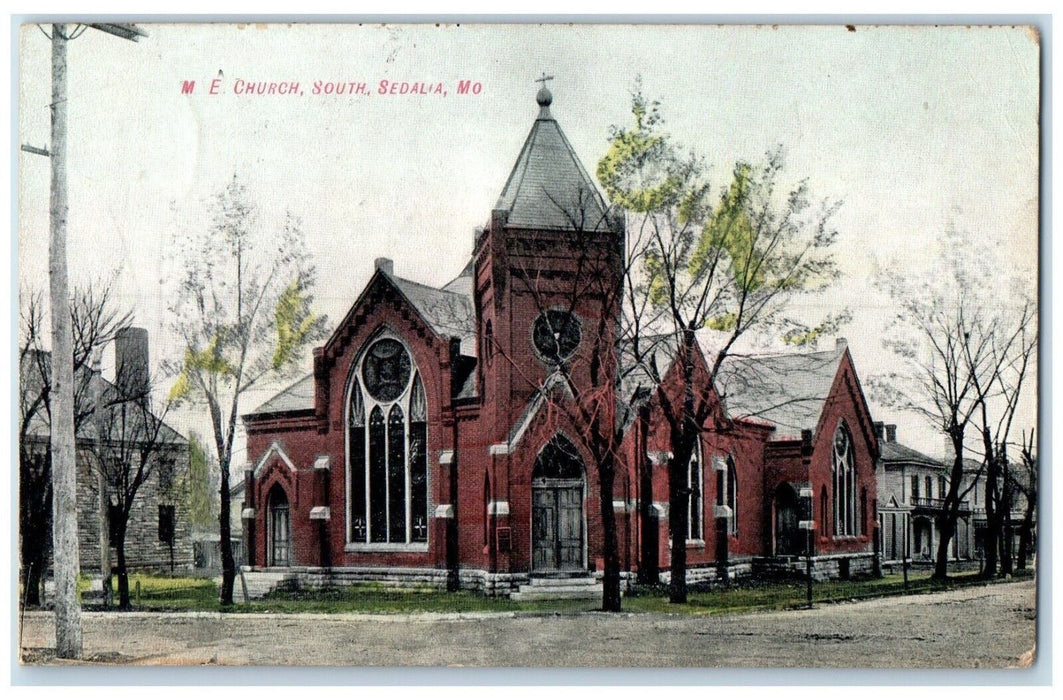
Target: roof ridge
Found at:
x=836, y=351
x=523, y=155
x=423, y=285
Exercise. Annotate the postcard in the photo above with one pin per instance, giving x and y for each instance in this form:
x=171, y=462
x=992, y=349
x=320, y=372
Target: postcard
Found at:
x=531, y=345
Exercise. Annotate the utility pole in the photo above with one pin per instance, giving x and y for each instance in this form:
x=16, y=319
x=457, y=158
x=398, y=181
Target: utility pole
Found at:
x=65, y=556
x=65, y=559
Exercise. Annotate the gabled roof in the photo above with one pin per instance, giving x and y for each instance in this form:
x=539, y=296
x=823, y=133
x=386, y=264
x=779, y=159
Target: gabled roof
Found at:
x=35, y=369
x=787, y=391
x=548, y=187
x=896, y=452
x=636, y=376
x=449, y=313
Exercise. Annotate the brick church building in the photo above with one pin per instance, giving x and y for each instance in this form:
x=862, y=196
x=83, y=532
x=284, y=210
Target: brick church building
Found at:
x=421, y=446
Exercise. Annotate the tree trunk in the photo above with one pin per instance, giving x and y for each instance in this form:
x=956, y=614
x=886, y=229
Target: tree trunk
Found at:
x=945, y=535
x=678, y=466
x=950, y=508
x=31, y=582
x=649, y=565
x=64, y=452
x=1006, y=533
x=1025, y=537
x=992, y=530
x=678, y=517
x=103, y=521
x=35, y=505
x=120, y=568
x=611, y=575
x=228, y=564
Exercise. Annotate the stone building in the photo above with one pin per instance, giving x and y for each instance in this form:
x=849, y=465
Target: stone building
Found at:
x=159, y=532
x=421, y=445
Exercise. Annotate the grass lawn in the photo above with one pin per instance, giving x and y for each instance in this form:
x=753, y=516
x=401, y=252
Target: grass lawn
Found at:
x=746, y=595
x=159, y=593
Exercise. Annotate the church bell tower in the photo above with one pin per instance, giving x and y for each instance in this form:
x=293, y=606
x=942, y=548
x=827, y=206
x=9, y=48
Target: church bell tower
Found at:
x=541, y=265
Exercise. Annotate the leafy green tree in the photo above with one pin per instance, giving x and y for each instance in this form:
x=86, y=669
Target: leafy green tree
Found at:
x=202, y=481
x=243, y=311
x=734, y=261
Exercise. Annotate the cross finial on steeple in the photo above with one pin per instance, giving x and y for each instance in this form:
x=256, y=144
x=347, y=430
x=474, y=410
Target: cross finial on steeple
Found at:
x=543, y=97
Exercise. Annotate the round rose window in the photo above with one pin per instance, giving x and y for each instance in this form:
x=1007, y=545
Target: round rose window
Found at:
x=386, y=370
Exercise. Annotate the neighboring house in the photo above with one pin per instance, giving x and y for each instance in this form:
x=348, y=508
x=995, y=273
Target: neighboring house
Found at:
x=974, y=479
x=159, y=533
x=913, y=488
x=422, y=445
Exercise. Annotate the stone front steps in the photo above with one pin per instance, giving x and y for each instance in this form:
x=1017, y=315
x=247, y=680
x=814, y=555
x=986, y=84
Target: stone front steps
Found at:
x=259, y=583
x=568, y=588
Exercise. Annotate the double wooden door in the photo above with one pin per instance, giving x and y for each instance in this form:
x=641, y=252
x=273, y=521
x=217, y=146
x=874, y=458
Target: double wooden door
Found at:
x=557, y=525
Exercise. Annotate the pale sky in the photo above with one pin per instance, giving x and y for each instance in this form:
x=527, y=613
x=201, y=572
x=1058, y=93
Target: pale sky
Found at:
x=912, y=128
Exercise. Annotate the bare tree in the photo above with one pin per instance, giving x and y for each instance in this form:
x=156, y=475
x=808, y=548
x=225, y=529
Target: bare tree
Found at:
x=243, y=312
x=586, y=382
x=1026, y=483
x=95, y=318
x=131, y=444
x=1012, y=344
x=962, y=354
x=734, y=264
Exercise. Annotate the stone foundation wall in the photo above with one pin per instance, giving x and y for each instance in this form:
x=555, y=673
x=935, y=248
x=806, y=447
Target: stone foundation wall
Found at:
x=710, y=574
x=824, y=568
x=492, y=585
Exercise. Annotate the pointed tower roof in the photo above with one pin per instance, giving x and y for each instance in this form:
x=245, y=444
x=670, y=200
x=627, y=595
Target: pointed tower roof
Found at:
x=549, y=187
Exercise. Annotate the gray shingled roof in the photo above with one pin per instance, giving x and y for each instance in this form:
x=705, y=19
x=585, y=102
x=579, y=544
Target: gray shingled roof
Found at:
x=896, y=452
x=296, y=397
x=32, y=375
x=548, y=187
x=462, y=284
x=449, y=313
x=787, y=391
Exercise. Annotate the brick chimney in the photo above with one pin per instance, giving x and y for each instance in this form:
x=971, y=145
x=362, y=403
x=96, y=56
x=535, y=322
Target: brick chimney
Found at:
x=385, y=264
x=131, y=373
x=880, y=430
x=840, y=343
x=891, y=432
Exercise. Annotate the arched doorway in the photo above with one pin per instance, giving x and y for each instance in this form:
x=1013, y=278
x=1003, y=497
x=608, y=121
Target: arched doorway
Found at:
x=788, y=539
x=278, y=534
x=557, y=509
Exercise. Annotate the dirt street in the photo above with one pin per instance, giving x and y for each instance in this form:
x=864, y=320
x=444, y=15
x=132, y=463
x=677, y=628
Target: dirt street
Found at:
x=989, y=627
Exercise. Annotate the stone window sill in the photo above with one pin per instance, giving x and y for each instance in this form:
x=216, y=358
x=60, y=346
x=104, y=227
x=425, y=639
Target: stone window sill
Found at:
x=369, y=547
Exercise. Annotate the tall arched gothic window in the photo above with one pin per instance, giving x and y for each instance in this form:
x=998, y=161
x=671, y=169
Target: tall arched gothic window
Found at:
x=387, y=456
x=843, y=469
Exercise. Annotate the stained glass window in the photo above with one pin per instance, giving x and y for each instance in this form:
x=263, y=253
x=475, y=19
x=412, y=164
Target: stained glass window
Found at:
x=387, y=448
